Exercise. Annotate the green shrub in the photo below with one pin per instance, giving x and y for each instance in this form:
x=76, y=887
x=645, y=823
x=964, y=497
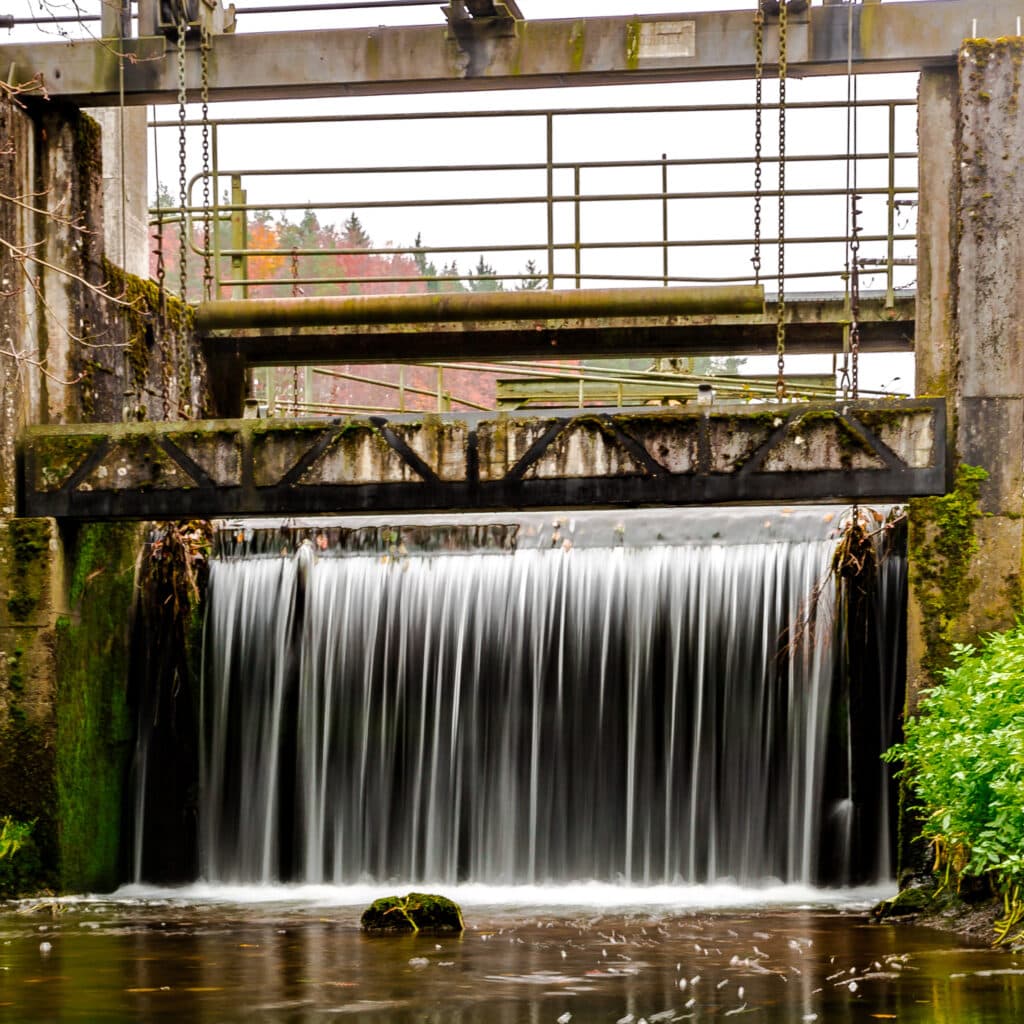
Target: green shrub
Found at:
x=19, y=859
x=963, y=758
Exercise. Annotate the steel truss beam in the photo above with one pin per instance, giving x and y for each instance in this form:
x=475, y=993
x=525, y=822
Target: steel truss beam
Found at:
x=744, y=453
x=533, y=54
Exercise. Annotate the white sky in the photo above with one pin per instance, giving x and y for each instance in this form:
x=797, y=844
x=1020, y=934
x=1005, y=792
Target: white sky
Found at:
x=643, y=137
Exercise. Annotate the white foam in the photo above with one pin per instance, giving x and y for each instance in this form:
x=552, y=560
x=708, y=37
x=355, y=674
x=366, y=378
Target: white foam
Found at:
x=588, y=895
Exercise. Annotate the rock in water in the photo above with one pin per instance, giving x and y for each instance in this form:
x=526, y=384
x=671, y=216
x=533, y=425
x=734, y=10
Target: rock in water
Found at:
x=416, y=913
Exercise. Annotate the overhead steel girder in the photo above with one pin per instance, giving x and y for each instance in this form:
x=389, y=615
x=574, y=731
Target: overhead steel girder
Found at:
x=668, y=456
x=232, y=331
x=538, y=54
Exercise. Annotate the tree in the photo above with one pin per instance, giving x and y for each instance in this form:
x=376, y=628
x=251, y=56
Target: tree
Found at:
x=354, y=235
x=534, y=282
x=484, y=278
x=424, y=267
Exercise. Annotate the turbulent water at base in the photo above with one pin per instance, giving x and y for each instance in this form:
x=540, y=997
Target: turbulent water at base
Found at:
x=630, y=715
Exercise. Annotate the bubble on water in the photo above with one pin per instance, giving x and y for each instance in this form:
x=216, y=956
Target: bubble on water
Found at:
x=565, y=1018
x=419, y=962
x=45, y=947
x=852, y=986
x=682, y=984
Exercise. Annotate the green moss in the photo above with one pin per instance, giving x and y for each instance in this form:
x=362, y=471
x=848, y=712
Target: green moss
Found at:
x=57, y=458
x=27, y=794
x=88, y=147
x=29, y=561
x=416, y=913
x=875, y=419
x=577, y=48
x=633, y=45
x=20, y=865
x=92, y=722
x=142, y=314
x=942, y=543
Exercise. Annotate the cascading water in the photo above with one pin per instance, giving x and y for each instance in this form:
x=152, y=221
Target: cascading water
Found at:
x=643, y=715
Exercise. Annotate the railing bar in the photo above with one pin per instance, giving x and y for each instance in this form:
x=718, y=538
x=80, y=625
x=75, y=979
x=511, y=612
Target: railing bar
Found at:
x=559, y=246
x=556, y=165
x=448, y=115
x=563, y=276
x=607, y=197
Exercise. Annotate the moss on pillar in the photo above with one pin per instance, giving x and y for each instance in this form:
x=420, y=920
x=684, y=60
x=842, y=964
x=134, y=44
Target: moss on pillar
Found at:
x=942, y=545
x=93, y=726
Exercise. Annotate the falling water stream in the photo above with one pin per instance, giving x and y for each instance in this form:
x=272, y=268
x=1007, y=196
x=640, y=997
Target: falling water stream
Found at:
x=639, y=715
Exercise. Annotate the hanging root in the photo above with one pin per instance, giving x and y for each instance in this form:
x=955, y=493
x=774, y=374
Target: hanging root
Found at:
x=177, y=558
x=862, y=545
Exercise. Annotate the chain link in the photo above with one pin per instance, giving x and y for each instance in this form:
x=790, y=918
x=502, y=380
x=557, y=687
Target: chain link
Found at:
x=296, y=291
x=181, y=339
x=182, y=167
x=758, y=117
x=855, y=230
x=780, y=321
x=204, y=51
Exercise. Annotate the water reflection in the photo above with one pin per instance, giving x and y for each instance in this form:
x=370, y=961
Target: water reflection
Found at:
x=212, y=962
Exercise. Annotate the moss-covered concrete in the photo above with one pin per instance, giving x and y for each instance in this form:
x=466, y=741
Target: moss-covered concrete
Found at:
x=93, y=730
x=942, y=545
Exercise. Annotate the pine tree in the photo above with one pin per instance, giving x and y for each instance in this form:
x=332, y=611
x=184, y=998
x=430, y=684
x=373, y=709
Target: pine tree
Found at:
x=424, y=267
x=534, y=282
x=484, y=278
x=355, y=236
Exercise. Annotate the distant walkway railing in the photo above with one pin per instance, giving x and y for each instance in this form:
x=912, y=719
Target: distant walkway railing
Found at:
x=573, y=211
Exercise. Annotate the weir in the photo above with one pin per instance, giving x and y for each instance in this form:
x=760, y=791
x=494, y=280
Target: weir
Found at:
x=106, y=383
x=586, y=703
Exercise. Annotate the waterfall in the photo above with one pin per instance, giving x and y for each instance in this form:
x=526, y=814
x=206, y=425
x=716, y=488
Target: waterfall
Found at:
x=645, y=715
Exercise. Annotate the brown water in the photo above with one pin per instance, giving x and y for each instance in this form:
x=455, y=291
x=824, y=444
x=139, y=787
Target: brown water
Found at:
x=302, y=962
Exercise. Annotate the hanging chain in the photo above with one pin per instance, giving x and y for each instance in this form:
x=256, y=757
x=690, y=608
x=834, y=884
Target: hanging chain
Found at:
x=850, y=330
x=182, y=169
x=780, y=322
x=181, y=339
x=758, y=112
x=204, y=52
x=855, y=230
x=296, y=291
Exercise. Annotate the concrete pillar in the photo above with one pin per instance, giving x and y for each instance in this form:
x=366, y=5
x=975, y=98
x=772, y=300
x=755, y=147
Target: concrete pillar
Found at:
x=125, y=180
x=966, y=549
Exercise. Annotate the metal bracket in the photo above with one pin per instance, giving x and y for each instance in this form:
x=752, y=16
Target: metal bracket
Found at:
x=471, y=22
x=161, y=17
x=794, y=8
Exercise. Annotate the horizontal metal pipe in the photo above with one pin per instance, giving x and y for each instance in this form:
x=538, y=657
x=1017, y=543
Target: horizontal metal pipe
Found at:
x=563, y=165
x=450, y=115
x=320, y=311
x=689, y=243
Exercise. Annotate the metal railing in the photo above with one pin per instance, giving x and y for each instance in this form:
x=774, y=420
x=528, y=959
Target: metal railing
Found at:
x=690, y=216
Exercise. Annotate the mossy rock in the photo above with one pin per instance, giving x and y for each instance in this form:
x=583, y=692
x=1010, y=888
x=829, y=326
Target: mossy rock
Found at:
x=913, y=900
x=418, y=913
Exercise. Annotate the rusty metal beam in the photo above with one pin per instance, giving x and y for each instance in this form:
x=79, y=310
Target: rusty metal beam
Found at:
x=815, y=325
x=537, y=54
x=881, y=450
x=460, y=307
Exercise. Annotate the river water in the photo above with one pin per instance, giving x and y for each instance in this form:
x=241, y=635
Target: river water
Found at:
x=297, y=956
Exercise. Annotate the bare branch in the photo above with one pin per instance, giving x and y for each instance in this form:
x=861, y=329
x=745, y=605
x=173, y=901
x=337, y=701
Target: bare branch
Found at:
x=22, y=253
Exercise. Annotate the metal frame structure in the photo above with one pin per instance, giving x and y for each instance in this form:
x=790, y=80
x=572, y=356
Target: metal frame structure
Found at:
x=870, y=37
x=551, y=199
x=485, y=462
